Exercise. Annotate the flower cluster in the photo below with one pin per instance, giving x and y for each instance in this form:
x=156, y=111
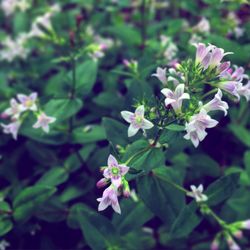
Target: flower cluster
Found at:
x=17, y=110
x=208, y=66
x=233, y=231
x=16, y=48
x=114, y=174
x=10, y=6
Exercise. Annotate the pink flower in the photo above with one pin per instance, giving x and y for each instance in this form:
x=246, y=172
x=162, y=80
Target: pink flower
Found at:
x=216, y=56
x=161, y=75
x=114, y=171
x=175, y=98
x=12, y=128
x=43, y=122
x=201, y=52
x=136, y=120
x=223, y=67
x=197, y=193
x=28, y=102
x=196, y=126
x=244, y=90
x=216, y=104
x=102, y=183
x=108, y=198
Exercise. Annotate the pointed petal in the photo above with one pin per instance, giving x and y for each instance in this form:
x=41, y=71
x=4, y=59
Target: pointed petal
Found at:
x=146, y=124
x=167, y=92
x=184, y=96
x=132, y=130
x=179, y=90
x=106, y=173
x=22, y=98
x=126, y=115
x=140, y=111
x=116, y=207
x=112, y=161
x=124, y=169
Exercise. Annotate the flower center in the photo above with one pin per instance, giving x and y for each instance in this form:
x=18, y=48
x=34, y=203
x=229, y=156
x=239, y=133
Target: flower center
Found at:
x=138, y=119
x=28, y=103
x=115, y=171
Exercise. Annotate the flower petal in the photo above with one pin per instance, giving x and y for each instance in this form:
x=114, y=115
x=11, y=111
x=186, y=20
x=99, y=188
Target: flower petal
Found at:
x=124, y=169
x=140, y=111
x=132, y=130
x=112, y=161
x=146, y=124
x=126, y=115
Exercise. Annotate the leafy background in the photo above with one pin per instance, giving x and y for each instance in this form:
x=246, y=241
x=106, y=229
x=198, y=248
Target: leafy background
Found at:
x=48, y=181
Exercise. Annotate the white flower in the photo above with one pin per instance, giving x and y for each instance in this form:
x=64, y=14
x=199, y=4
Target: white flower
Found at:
x=231, y=87
x=4, y=244
x=161, y=75
x=175, y=76
x=28, y=102
x=175, y=98
x=12, y=128
x=136, y=120
x=43, y=122
x=217, y=104
x=203, y=26
x=196, y=126
x=197, y=193
x=14, y=110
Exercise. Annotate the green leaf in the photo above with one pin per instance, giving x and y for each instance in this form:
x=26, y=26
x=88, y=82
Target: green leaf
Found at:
x=175, y=127
x=85, y=77
x=5, y=220
x=164, y=200
x=186, y=221
x=241, y=133
x=134, y=215
x=53, y=177
x=103, y=100
x=98, y=232
x=63, y=109
x=222, y=188
x=116, y=132
x=29, y=199
x=93, y=134
x=247, y=162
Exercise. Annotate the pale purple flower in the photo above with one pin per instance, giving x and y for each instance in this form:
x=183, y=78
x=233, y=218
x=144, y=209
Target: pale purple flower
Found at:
x=196, y=126
x=136, y=120
x=203, y=26
x=161, y=75
x=223, y=67
x=238, y=234
x=245, y=224
x=28, y=102
x=216, y=104
x=244, y=90
x=216, y=56
x=43, y=122
x=231, y=87
x=238, y=74
x=202, y=51
x=115, y=171
x=12, y=128
x=232, y=244
x=14, y=110
x=175, y=98
x=108, y=198
x=197, y=193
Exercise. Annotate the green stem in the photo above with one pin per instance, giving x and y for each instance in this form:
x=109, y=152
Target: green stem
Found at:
x=173, y=184
x=209, y=93
x=137, y=154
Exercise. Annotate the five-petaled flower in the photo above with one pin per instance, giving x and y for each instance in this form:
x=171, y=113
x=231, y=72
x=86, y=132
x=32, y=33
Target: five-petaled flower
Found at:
x=197, y=193
x=115, y=171
x=43, y=122
x=196, y=126
x=136, y=120
x=28, y=102
x=175, y=98
x=14, y=110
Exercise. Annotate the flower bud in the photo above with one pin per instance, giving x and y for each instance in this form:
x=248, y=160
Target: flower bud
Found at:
x=238, y=234
x=214, y=245
x=126, y=189
x=72, y=38
x=102, y=183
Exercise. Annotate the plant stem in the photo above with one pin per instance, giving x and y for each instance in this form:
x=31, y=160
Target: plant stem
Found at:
x=209, y=93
